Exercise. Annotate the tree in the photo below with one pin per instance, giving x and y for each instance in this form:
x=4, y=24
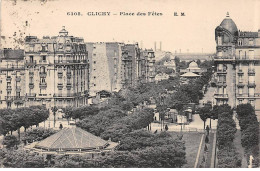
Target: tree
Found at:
x=23, y=159
x=10, y=141
x=204, y=113
x=68, y=112
x=37, y=134
x=54, y=110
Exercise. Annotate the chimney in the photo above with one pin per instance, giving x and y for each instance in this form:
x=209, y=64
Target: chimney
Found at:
x=154, y=46
x=160, y=46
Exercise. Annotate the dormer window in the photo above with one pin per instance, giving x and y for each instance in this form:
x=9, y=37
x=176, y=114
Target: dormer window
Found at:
x=239, y=42
x=251, y=42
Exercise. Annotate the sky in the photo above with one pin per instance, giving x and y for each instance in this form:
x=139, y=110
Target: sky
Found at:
x=194, y=32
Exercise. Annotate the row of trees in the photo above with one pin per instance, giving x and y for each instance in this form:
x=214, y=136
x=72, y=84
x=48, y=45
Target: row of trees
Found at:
x=227, y=155
x=113, y=123
x=13, y=119
x=97, y=124
x=250, y=131
x=30, y=136
x=138, y=120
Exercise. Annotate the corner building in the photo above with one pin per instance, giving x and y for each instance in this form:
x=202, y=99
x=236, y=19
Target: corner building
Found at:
x=238, y=65
x=56, y=71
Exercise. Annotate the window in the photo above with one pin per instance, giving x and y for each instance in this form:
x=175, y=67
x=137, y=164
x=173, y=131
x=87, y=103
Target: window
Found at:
x=60, y=58
x=240, y=42
x=240, y=91
x=251, y=54
x=42, y=80
x=219, y=40
x=44, y=58
x=42, y=69
x=251, y=79
x=251, y=42
x=252, y=102
x=251, y=92
x=9, y=104
x=94, y=62
x=240, y=101
x=31, y=80
x=31, y=48
x=240, y=79
x=31, y=59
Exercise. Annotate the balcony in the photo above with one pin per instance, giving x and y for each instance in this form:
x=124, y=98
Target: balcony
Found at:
x=240, y=72
x=221, y=84
x=43, y=62
x=60, y=74
x=251, y=72
x=30, y=62
x=60, y=86
x=69, y=95
x=69, y=85
x=43, y=74
x=221, y=71
x=8, y=88
x=221, y=96
x=18, y=99
x=9, y=98
x=251, y=85
x=240, y=84
x=31, y=85
x=8, y=78
x=247, y=58
x=31, y=95
x=242, y=96
x=18, y=89
x=31, y=74
x=68, y=74
x=18, y=79
x=62, y=62
x=43, y=85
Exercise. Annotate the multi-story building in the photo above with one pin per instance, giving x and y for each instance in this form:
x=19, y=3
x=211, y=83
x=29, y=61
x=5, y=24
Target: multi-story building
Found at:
x=238, y=65
x=114, y=66
x=56, y=71
x=146, y=68
x=12, y=80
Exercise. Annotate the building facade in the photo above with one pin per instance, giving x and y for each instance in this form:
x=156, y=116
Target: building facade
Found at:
x=238, y=65
x=12, y=78
x=51, y=72
x=115, y=65
x=56, y=70
x=146, y=71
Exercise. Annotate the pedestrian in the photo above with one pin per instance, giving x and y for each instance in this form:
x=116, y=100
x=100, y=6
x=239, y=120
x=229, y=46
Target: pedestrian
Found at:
x=166, y=127
x=207, y=128
x=61, y=126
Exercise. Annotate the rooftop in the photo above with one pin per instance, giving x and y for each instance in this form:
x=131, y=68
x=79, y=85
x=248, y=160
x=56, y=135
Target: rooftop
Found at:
x=72, y=139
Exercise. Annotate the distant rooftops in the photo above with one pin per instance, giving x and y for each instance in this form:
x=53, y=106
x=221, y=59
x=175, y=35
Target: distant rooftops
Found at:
x=47, y=39
x=247, y=34
x=12, y=54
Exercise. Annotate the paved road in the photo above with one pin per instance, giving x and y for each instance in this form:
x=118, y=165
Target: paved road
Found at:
x=197, y=123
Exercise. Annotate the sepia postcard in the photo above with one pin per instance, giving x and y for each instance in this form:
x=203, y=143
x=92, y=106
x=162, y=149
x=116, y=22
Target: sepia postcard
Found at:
x=129, y=84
